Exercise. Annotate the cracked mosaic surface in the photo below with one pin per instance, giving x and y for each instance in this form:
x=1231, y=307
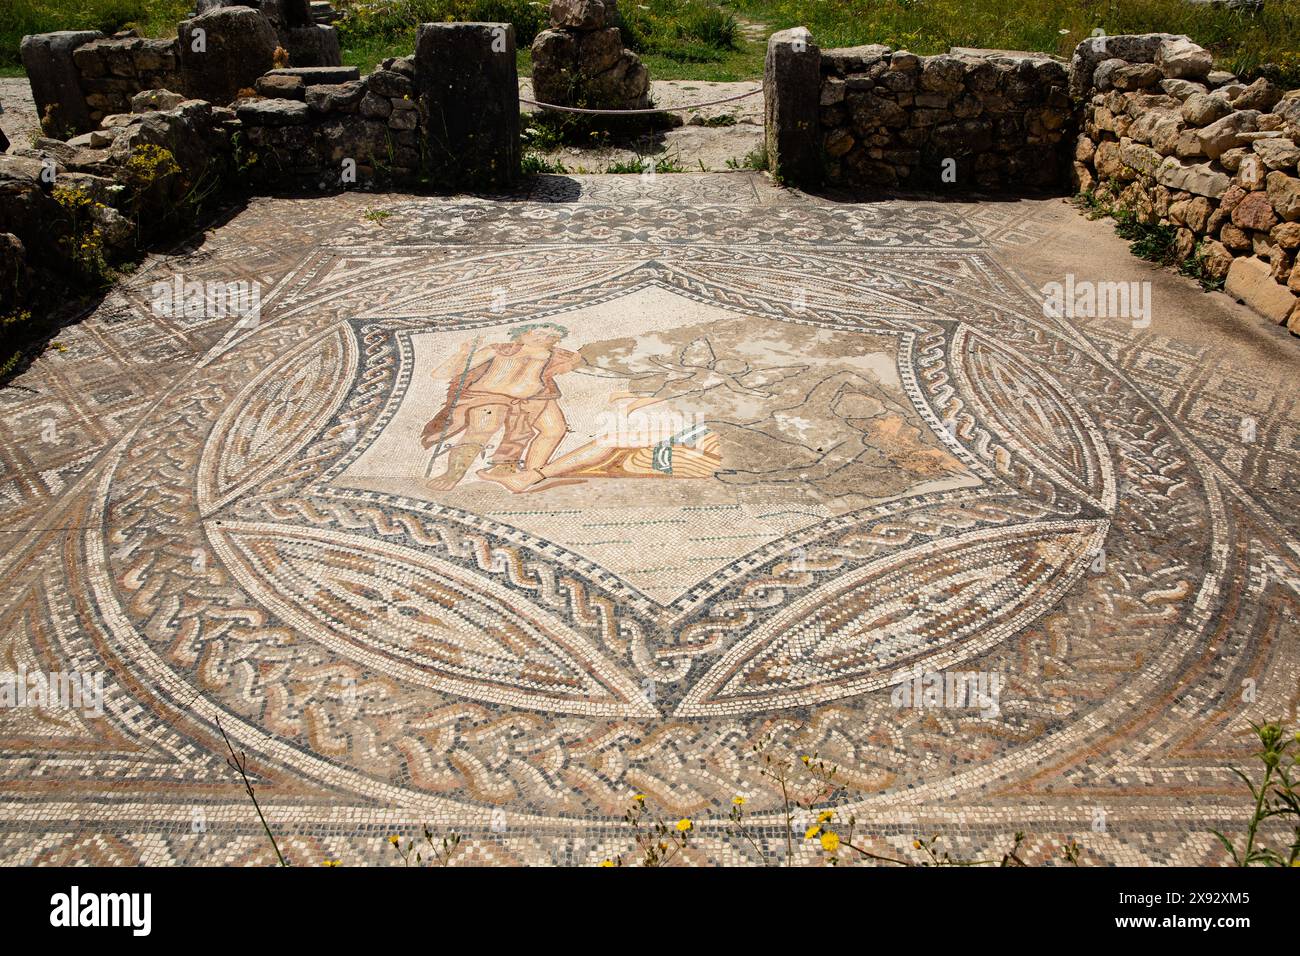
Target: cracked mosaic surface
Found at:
x=506, y=510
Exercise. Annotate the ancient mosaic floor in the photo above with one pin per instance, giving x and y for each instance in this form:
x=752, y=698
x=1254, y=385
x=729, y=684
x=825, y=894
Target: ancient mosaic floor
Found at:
x=505, y=511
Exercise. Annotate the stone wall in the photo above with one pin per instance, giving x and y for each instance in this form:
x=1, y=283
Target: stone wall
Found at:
x=987, y=120
x=1173, y=143
x=871, y=116
x=309, y=121
x=68, y=210
x=111, y=70
x=445, y=118
x=79, y=77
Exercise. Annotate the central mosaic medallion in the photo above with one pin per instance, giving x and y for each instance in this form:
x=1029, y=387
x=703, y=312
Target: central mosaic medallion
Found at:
x=675, y=452
x=542, y=548
x=655, y=435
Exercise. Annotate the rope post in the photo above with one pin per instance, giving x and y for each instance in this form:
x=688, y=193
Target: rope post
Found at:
x=792, y=91
x=468, y=90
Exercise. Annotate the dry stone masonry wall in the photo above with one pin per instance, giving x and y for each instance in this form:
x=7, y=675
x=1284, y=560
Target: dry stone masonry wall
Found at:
x=870, y=116
x=1143, y=123
x=79, y=77
x=1173, y=143
x=445, y=118
x=891, y=117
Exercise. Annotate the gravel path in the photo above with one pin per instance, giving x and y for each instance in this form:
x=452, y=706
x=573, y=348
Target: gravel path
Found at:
x=694, y=146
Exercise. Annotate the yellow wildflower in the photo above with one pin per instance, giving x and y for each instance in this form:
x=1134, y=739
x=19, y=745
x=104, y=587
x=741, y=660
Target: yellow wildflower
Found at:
x=825, y=815
x=332, y=863
x=606, y=862
x=684, y=825
x=830, y=841
x=394, y=839
x=639, y=798
x=738, y=801
x=812, y=832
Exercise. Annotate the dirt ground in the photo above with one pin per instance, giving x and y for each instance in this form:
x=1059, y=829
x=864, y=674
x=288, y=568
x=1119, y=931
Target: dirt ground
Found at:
x=696, y=145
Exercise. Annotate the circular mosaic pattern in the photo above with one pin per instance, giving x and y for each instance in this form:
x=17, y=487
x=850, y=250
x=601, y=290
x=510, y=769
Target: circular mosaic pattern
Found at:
x=835, y=489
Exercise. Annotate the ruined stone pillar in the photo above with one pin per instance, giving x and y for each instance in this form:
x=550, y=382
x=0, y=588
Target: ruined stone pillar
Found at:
x=792, y=94
x=468, y=90
x=56, y=82
x=580, y=60
x=224, y=51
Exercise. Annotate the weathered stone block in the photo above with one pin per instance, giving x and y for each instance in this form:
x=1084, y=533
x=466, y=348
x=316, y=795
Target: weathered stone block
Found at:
x=374, y=106
x=272, y=112
x=1277, y=153
x=599, y=50
x=332, y=97
x=1223, y=134
x=1260, y=95
x=1139, y=158
x=1234, y=238
x=468, y=87
x=1286, y=235
x=1135, y=76
x=1284, y=194
x=280, y=87
x=224, y=51
x=838, y=142
x=1180, y=58
x=942, y=74
x=1181, y=89
x=319, y=75
x=55, y=82
x=583, y=14
x=389, y=83
x=1254, y=212
x=1250, y=281
x=869, y=111
x=149, y=100
x=792, y=90
x=403, y=119
x=1197, y=178
x=853, y=59
x=1251, y=172
x=833, y=89
x=1216, y=258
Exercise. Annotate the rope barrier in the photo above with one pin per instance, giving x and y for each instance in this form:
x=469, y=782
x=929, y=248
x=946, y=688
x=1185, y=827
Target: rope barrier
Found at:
x=662, y=109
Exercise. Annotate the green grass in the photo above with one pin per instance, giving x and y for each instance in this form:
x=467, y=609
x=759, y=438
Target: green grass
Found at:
x=370, y=30
x=533, y=164
x=700, y=40
x=754, y=159
x=703, y=40
x=1240, y=40
x=1155, y=242
x=678, y=39
x=645, y=164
